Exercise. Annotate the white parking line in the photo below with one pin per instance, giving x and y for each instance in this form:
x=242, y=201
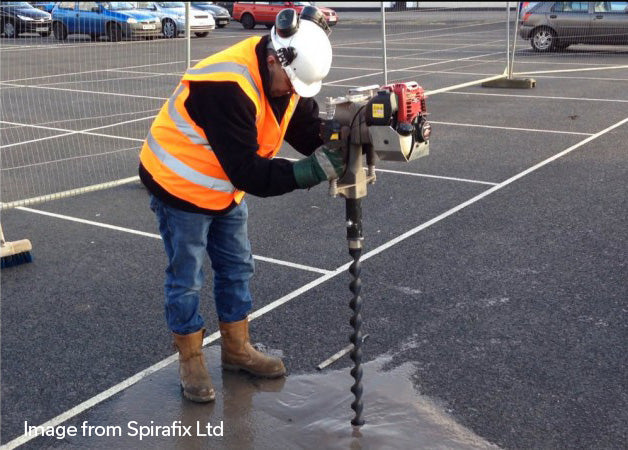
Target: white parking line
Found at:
x=100, y=116
x=84, y=91
x=581, y=78
x=67, y=132
x=519, y=61
x=424, y=175
x=156, y=236
x=105, y=80
x=99, y=398
x=462, y=85
x=85, y=44
x=331, y=83
x=483, y=74
x=93, y=71
x=439, y=177
x=431, y=30
x=490, y=191
x=73, y=158
x=439, y=49
x=533, y=130
x=573, y=70
x=176, y=74
x=544, y=97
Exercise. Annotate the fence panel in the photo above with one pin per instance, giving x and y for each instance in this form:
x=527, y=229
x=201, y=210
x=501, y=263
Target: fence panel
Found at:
x=76, y=107
x=578, y=40
x=446, y=45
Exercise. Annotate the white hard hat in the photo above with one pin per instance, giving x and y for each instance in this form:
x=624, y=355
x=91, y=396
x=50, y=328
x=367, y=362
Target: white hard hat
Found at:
x=303, y=48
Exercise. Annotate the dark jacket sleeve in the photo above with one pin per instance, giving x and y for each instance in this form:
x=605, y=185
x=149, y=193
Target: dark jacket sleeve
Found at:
x=303, y=131
x=227, y=116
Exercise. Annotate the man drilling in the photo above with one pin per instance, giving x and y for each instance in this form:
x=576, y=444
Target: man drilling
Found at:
x=213, y=141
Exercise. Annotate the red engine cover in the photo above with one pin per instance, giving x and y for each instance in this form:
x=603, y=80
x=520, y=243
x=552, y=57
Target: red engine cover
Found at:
x=410, y=99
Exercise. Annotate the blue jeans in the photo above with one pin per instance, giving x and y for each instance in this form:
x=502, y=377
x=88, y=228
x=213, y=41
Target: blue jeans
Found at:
x=187, y=236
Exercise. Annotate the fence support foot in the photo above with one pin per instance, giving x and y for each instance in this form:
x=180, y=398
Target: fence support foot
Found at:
x=513, y=83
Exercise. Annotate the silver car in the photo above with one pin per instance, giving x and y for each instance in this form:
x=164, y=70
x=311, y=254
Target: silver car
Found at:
x=556, y=25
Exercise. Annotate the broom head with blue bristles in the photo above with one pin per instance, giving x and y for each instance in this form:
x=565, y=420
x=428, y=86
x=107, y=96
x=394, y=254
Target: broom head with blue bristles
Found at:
x=15, y=253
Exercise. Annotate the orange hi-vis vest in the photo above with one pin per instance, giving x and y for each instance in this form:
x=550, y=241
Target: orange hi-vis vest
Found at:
x=176, y=151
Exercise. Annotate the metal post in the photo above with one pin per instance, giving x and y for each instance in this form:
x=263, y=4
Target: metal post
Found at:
x=384, y=43
x=506, y=80
x=508, y=37
x=514, y=43
x=188, y=44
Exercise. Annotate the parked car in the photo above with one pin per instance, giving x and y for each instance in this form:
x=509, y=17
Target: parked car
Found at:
x=227, y=5
x=172, y=15
x=525, y=6
x=44, y=6
x=20, y=17
x=220, y=14
x=556, y=25
x=250, y=14
x=116, y=20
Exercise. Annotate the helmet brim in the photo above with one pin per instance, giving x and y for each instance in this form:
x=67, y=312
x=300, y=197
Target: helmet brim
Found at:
x=306, y=90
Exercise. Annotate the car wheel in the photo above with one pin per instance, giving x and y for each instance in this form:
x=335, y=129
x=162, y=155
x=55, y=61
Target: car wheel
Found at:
x=269, y=25
x=543, y=40
x=169, y=29
x=45, y=34
x=8, y=30
x=222, y=25
x=247, y=21
x=60, y=31
x=114, y=32
x=202, y=34
x=561, y=47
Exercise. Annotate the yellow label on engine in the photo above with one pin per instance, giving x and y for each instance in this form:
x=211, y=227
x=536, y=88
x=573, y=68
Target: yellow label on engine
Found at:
x=334, y=137
x=378, y=110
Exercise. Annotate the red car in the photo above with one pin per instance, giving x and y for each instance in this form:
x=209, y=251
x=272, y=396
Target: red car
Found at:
x=250, y=14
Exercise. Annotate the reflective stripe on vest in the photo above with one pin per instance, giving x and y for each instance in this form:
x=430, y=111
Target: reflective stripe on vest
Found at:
x=230, y=67
x=184, y=127
x=186, y=171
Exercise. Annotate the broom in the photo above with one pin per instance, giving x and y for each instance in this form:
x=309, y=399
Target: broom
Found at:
x=14, y=253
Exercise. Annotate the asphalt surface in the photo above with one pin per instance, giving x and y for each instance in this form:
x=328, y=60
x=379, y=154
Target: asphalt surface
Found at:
x=511, y=310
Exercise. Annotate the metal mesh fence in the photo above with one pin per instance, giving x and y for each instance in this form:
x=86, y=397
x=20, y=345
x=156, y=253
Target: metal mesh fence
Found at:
x=444, y=46
x=75, y=105
x=577, y=40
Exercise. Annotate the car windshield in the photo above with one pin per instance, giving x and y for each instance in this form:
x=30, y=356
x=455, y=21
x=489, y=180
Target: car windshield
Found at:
x=303, y=3
x=21, y=4
x=171, y=4
x=118, y=6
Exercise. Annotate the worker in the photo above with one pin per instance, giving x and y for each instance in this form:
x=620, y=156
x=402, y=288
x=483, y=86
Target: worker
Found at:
x=213, y=141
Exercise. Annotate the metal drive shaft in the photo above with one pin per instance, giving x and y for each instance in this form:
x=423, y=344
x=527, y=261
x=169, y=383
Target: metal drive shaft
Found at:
x=354, y=237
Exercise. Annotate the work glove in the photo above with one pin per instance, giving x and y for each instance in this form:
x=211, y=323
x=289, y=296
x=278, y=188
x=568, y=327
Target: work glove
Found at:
x=326, y=163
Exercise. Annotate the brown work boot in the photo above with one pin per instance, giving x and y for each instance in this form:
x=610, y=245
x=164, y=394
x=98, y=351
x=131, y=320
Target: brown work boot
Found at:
x=195, y=381
x=238, y=353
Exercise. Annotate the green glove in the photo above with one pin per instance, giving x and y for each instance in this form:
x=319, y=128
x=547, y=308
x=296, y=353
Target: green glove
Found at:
x=326, y=163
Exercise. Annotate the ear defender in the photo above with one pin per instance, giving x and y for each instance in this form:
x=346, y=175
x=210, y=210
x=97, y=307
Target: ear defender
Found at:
x=287, y=23
x=313, y=14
